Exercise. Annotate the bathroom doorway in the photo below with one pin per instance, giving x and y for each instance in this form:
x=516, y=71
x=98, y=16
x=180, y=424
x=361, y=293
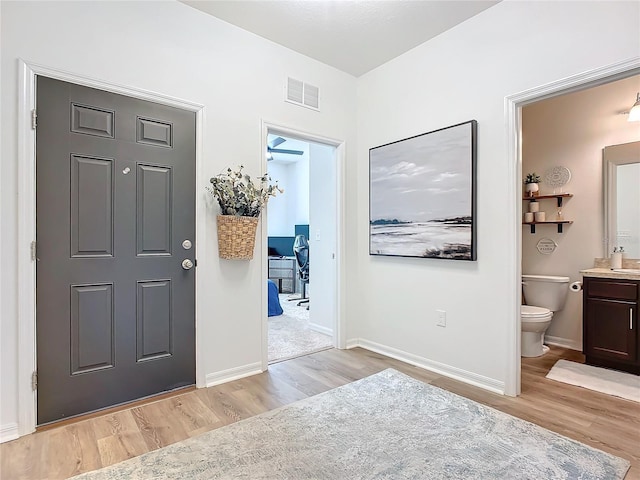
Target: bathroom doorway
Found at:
x=582, y=105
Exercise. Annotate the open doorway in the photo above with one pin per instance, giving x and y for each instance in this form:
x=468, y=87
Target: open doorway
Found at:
x=515, y=104
x=301, y=241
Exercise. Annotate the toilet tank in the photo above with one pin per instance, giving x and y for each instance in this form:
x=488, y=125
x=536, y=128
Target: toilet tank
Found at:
x=546, y=291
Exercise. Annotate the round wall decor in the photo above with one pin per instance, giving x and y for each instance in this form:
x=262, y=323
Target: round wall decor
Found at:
x=546, y=246
x=557, y=176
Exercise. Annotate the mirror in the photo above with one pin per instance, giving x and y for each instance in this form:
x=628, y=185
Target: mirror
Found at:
x=622, y=198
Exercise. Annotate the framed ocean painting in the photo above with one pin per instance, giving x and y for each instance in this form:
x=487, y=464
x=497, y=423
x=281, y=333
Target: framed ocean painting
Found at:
x=422, y=195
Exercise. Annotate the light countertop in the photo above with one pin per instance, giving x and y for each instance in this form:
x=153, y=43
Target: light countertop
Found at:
x=608, y=273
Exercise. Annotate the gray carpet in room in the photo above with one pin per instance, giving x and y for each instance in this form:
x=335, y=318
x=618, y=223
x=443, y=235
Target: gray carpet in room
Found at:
x=386, y=426
x=290, y=335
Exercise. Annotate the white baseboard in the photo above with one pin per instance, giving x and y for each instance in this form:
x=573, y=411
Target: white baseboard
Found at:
x=320, y=329
x=471, y=378
x=563, y=342
x=8, y=432
x=352, y=343
x=231, y=374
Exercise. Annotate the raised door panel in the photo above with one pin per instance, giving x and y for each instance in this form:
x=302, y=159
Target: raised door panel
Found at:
x=154, y=320
x=91, y=120
x=611, y=330
x=92, y=328
x=154, y=191
x=154, y=132
x=92, y=215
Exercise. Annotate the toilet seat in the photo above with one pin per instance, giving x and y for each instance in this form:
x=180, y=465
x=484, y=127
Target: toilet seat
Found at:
x=531, y=313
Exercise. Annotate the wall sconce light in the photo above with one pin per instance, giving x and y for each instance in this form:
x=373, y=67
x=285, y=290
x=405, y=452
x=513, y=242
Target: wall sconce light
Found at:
x=634, y=113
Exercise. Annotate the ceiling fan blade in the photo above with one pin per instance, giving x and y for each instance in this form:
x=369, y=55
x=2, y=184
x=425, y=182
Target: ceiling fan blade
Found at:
x=290, y=152
x=275, y=142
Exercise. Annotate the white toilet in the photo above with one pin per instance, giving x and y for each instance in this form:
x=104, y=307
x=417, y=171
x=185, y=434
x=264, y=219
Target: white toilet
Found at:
x=544, y=294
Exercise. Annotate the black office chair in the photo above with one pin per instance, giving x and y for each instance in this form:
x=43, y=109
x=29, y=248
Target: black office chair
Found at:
x=301, y=251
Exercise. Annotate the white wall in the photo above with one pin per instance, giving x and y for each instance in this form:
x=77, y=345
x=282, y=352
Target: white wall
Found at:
x=299, y=178
x=278, y=217
x=466, y=73
x=292, y=207
x=170, y=48
x=571, y=130
x=322, y=241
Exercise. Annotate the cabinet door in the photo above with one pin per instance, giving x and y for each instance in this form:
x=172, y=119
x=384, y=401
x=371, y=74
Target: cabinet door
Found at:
x=611, y=329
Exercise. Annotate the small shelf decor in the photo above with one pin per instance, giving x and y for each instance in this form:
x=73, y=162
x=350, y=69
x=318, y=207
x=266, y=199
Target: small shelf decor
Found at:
x=531, y=184
x=559, y=221
x=241, y=201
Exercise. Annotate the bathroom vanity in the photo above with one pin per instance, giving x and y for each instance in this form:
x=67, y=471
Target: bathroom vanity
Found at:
x=610, y=319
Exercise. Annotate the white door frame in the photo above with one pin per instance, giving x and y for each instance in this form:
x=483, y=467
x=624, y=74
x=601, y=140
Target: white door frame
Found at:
x=513, y=106
x=27, y=399
x=339, y=329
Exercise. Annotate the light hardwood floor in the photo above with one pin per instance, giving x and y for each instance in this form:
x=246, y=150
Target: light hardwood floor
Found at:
x=599, y=420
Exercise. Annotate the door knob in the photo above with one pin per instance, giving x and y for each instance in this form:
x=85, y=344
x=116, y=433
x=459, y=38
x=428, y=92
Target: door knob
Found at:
x=187, y=264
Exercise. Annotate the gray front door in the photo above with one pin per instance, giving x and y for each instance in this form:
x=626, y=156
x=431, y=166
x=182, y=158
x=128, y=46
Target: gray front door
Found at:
x=115, y=201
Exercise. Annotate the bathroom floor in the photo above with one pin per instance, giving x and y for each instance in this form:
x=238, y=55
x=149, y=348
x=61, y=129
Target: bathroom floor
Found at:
x=540, y=366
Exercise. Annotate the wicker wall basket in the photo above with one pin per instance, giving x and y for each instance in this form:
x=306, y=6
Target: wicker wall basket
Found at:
x=236, y=237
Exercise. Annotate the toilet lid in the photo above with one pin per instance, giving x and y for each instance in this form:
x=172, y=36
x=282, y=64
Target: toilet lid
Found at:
x=529, y=311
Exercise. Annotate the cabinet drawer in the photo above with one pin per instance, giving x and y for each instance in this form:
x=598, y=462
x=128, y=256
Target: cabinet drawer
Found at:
x=280, y=263
x=618, y=290
x=280, y=273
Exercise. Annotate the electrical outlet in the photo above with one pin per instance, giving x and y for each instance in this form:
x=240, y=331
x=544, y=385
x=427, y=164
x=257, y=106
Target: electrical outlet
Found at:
x=442, y=318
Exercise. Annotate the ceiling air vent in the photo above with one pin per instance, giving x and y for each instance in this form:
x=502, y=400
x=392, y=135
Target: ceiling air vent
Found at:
x=302, y=94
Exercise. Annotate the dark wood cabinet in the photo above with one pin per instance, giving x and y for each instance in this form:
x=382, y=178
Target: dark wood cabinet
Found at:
x=610, y=323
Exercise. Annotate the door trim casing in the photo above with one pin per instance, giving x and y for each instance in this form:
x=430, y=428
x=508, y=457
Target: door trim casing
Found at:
x=513, y=144
x=27, y=397
x=339, y=327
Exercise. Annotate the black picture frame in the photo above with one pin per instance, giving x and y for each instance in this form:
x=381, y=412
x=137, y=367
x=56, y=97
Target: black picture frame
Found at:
x=422, y=195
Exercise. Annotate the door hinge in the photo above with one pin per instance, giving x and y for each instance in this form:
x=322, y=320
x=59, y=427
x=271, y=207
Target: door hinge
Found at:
x=33, y=251
x=34, y=119
x=34, y=380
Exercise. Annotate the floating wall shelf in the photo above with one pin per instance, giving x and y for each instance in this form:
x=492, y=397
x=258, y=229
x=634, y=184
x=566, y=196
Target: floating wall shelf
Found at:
x=554, y=222
x=559, y=197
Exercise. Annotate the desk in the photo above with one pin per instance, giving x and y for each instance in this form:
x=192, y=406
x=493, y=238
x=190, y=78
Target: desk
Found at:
x=282, y=270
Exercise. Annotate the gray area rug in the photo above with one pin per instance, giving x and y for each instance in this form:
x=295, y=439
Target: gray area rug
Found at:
x=386, y=426
x=290, y=335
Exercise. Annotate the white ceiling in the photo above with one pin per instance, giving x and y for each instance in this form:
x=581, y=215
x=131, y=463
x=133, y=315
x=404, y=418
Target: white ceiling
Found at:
x=352, y=36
